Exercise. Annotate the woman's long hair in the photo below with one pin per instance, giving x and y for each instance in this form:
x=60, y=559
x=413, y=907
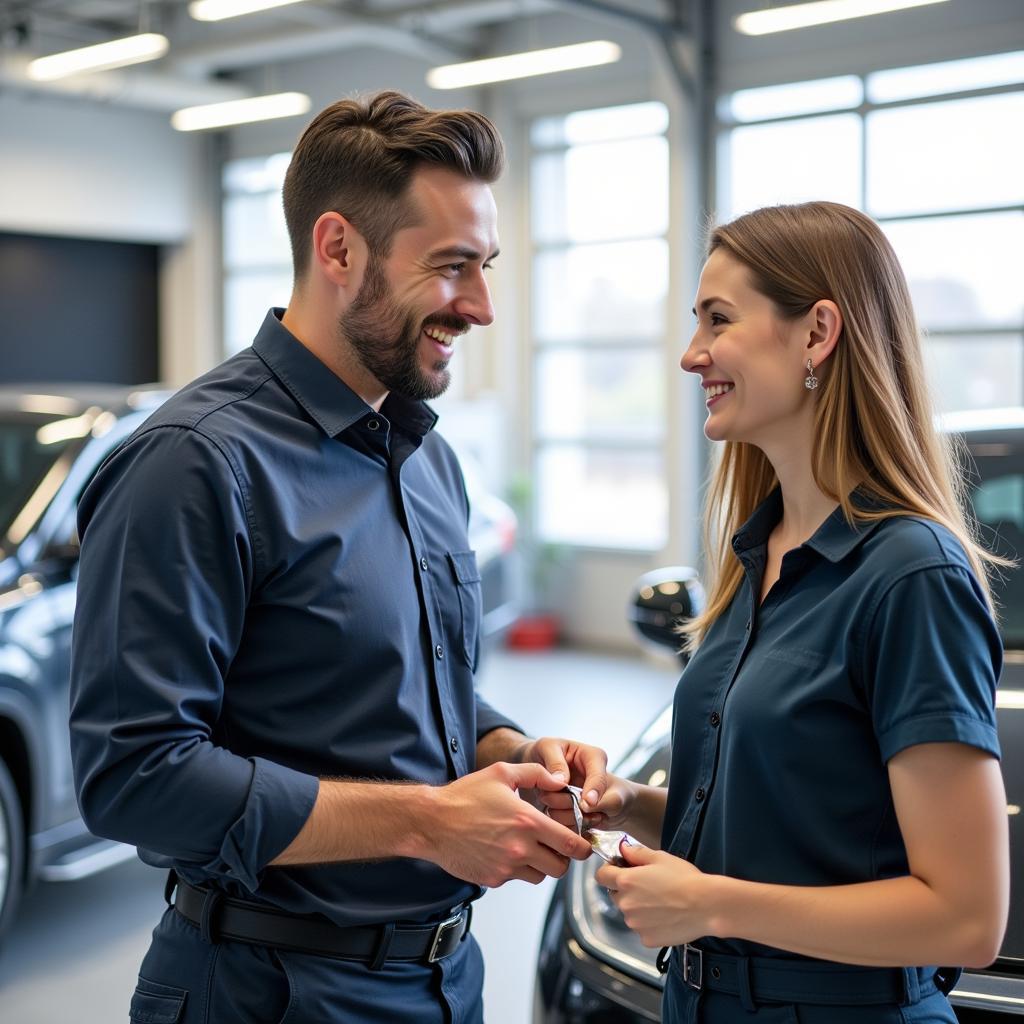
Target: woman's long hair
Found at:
x=873, y=420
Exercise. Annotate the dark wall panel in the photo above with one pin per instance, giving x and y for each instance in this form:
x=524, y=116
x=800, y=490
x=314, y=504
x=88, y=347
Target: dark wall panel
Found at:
x=73, y=309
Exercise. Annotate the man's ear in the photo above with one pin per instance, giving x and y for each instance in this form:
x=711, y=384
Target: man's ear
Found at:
x=338, y=249
x=826, y=324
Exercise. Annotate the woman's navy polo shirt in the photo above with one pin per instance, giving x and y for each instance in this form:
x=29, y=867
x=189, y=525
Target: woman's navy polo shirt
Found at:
x=875, y=637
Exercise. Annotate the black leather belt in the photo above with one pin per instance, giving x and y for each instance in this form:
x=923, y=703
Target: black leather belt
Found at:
x=759, y=979
x=222, y=917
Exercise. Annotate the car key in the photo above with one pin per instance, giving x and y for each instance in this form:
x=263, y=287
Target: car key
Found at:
x=605, y=843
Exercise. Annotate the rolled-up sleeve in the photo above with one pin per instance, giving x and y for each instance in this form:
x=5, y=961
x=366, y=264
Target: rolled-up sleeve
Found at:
x=932, y=659
x=168, y=562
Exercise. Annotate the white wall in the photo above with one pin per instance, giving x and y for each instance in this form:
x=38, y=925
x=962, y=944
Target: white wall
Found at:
x=69, y=167
x=74, y=168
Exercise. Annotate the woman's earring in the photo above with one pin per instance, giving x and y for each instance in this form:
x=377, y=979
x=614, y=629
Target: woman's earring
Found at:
x=810, y=381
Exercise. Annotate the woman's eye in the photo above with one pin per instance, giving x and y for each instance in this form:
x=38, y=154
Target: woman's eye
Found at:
x=717, y=320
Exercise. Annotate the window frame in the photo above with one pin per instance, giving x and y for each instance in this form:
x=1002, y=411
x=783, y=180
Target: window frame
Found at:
x=725, y=124
x=653, y=344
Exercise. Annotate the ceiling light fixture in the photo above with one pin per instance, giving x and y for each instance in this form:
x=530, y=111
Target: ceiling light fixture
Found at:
x=256, y=108
x=523, y=65
x=818, y=12
x=117, y=53
x=218, y=10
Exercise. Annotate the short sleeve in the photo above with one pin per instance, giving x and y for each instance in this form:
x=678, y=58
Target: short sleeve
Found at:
x=932, y=659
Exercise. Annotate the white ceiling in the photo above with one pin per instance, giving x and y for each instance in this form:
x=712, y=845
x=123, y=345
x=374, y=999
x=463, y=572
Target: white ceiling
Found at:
x=205, y=56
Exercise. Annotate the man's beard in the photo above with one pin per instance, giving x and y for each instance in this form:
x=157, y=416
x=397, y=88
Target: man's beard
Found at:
x=386, y=338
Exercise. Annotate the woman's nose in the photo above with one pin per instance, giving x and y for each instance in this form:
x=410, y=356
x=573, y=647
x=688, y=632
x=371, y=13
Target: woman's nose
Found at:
x=694, y=357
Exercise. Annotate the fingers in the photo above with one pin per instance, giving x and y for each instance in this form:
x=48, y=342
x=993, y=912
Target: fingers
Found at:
x=561, y=838
x=635, y=853
x=572, y=760
x=593, y=762
x=532, y=875
x=608, y=876
x=547, y=861
x=551, y=753
x=564, y=818
x=531, y=775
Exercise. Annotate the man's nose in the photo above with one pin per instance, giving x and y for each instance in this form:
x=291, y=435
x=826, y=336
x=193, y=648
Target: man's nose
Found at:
x=474, y=301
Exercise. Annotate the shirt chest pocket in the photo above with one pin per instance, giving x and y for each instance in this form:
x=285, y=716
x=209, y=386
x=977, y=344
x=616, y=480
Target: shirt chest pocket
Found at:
x=466, y=577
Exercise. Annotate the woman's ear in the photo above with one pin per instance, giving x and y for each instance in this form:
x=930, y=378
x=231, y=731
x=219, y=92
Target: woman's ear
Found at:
x=826, y=323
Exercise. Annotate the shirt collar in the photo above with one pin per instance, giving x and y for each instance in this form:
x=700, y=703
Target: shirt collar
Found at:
x=834, y=539
x=332, y=404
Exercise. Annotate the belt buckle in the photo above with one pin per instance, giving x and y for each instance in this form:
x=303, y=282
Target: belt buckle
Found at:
x=693, y=966
x=443, y=945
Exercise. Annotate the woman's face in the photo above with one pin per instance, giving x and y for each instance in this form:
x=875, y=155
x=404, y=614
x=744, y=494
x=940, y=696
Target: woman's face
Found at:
x=752, y=364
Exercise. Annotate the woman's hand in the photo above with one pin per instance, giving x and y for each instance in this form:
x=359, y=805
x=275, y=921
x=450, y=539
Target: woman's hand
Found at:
x=664, y=899
x=611, y=810
x=580, y=764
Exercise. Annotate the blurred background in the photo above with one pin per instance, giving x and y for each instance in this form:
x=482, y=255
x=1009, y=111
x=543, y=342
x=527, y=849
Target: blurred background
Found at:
x=136, y=250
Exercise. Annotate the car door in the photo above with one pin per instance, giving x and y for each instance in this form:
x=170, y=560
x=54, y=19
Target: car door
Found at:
x=998, y=498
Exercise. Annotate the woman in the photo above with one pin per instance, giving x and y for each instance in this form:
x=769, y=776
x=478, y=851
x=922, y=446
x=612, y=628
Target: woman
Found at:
x=835, y=815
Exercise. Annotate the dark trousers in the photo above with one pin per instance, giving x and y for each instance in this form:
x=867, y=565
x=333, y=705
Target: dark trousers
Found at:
x=685, y=1005
x=186, y=980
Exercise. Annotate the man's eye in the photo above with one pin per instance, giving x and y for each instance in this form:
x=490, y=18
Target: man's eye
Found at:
x=455, y=268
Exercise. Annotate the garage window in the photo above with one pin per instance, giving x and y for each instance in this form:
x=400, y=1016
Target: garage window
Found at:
x=931, y=152
x=257, y=257
x=599, y=187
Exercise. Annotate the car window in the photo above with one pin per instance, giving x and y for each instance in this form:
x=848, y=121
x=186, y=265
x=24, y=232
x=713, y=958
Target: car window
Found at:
x=998, y=497
x=30, y=460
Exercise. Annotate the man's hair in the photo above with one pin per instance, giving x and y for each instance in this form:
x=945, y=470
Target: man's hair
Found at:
x=358, y=157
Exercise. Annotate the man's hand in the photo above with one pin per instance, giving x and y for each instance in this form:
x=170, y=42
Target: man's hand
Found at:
x=479, y=829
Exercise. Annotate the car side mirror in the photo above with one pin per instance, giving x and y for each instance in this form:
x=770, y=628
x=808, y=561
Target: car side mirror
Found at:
x=660, y=601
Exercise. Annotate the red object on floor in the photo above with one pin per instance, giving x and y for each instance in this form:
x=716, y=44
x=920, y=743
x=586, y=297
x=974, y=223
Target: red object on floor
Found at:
x=533, y=633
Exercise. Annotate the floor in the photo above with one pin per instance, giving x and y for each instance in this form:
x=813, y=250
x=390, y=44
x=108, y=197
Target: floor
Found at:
x=78, y=945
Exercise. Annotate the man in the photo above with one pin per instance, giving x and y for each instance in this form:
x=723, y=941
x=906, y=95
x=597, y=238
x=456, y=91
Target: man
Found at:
x=278, y=614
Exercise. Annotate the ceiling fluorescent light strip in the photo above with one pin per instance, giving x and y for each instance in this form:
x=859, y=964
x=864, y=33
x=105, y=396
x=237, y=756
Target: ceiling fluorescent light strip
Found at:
x=218, y=10
x=117, y=53
x=523, y=65
x=256, y=108
x=818, y=12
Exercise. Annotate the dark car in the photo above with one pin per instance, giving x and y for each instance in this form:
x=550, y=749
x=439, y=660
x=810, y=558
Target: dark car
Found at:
x=52, y=440
x=593, y=970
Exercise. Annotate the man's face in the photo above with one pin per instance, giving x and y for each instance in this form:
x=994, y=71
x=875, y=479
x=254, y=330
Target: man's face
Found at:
x=411, y=307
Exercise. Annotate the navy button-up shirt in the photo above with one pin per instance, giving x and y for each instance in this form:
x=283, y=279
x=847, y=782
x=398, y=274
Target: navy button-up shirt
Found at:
x=276, y=585
x=876, y=637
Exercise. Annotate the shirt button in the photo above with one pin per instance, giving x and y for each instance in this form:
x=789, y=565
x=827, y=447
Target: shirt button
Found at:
x=454, y=744
x=423, y=564
x=373, y=424
x=747, y=626
x=439, y=651
x=699, y=795
x=716, y=972
x=715, y=718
